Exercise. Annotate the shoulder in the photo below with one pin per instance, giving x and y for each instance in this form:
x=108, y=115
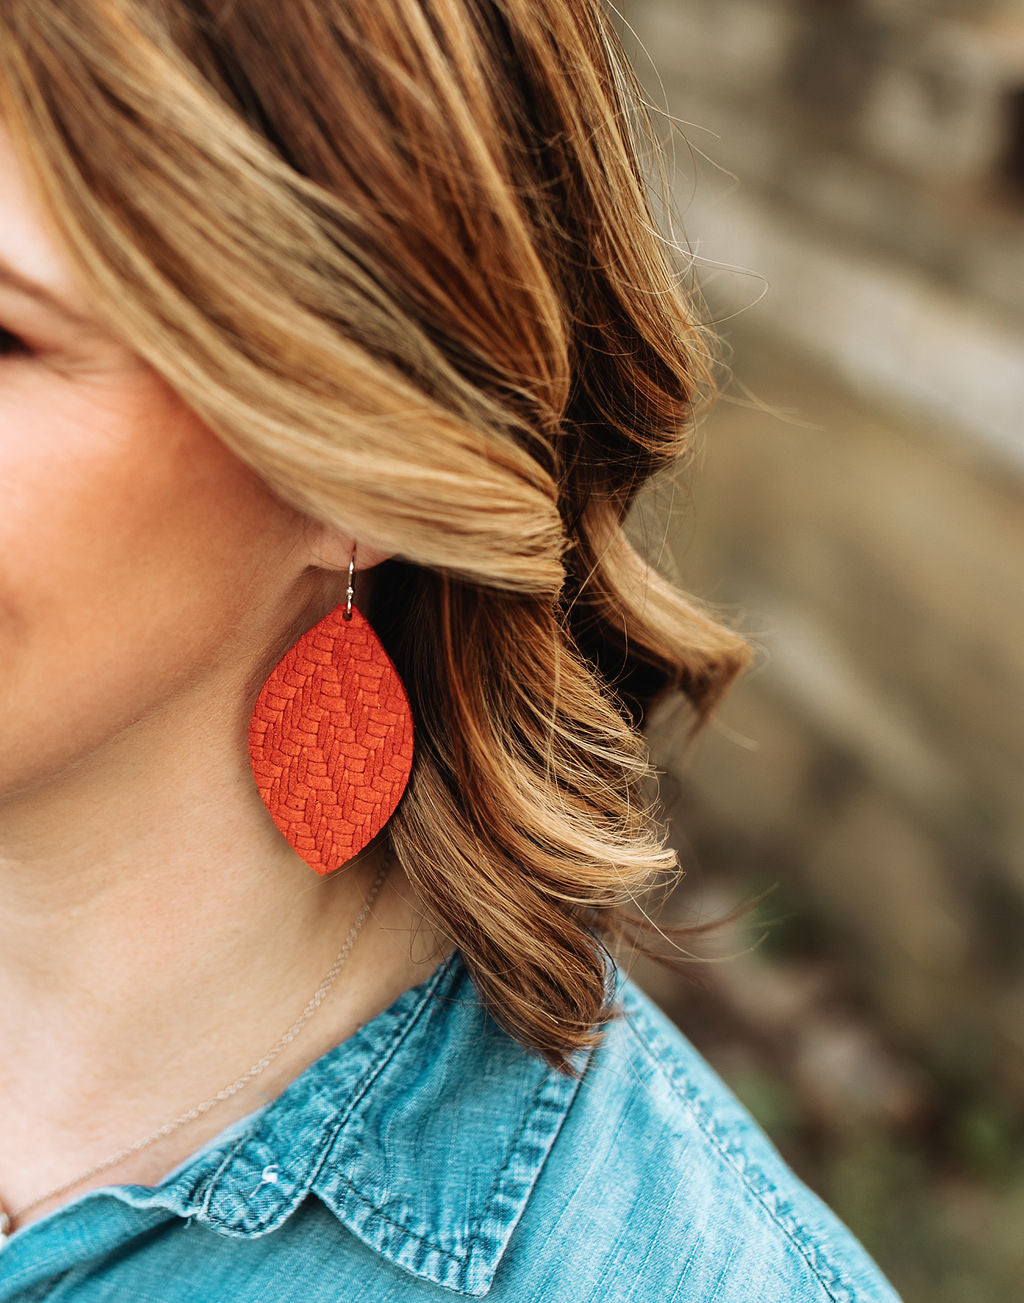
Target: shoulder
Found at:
x=660, y=1185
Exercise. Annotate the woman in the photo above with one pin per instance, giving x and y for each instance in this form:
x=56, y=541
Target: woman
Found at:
x=335, y=342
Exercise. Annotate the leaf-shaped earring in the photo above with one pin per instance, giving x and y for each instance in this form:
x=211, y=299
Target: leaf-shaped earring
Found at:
x=331, y=738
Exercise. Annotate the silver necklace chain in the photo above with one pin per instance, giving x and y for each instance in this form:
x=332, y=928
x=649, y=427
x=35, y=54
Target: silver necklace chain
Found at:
x=7, y=1219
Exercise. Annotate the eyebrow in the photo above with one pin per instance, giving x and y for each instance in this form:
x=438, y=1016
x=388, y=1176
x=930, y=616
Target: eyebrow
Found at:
x=23, y=284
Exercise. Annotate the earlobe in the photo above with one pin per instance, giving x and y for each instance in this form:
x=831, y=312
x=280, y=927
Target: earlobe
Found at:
x=331, y=547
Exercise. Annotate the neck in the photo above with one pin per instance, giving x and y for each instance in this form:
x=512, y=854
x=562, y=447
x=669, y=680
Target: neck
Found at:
x=157, y=934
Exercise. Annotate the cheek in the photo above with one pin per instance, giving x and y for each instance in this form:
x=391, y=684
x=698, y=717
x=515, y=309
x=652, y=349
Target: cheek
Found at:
x=132, y=545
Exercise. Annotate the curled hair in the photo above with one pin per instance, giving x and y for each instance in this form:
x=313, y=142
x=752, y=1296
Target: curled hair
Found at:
x=399, y=256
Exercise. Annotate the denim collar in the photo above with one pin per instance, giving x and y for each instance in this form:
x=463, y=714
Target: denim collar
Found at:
x=423, y=1133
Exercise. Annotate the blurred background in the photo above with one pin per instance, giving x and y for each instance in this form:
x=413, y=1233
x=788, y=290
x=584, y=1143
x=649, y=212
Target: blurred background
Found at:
x=849, y=177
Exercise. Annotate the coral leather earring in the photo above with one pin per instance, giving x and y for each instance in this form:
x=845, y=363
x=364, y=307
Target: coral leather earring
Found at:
x=331, y=739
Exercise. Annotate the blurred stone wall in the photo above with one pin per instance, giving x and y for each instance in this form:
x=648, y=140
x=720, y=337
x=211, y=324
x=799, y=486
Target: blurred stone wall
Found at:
x=850, y=180
x=866, y=158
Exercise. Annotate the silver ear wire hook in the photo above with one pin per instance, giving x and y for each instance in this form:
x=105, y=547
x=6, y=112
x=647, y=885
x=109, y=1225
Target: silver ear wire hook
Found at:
x=350, y=591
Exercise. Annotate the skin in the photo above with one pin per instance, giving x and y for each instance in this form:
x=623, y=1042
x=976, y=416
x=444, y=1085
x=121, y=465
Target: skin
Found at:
x=157, y=932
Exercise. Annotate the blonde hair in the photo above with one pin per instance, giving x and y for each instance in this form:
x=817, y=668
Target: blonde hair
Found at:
x=400, y=256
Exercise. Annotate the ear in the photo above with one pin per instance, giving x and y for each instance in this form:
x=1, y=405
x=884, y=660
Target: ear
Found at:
x=331, y=548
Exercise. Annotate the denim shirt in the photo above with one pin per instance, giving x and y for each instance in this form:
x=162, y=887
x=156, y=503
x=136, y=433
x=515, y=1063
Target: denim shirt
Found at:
x=428, y=1157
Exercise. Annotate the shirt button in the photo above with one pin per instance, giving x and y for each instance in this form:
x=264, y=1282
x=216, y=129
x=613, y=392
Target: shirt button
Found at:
x=268, y=1177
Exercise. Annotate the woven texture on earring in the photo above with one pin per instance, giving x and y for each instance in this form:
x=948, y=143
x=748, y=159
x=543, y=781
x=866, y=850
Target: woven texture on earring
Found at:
x=331, y=740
